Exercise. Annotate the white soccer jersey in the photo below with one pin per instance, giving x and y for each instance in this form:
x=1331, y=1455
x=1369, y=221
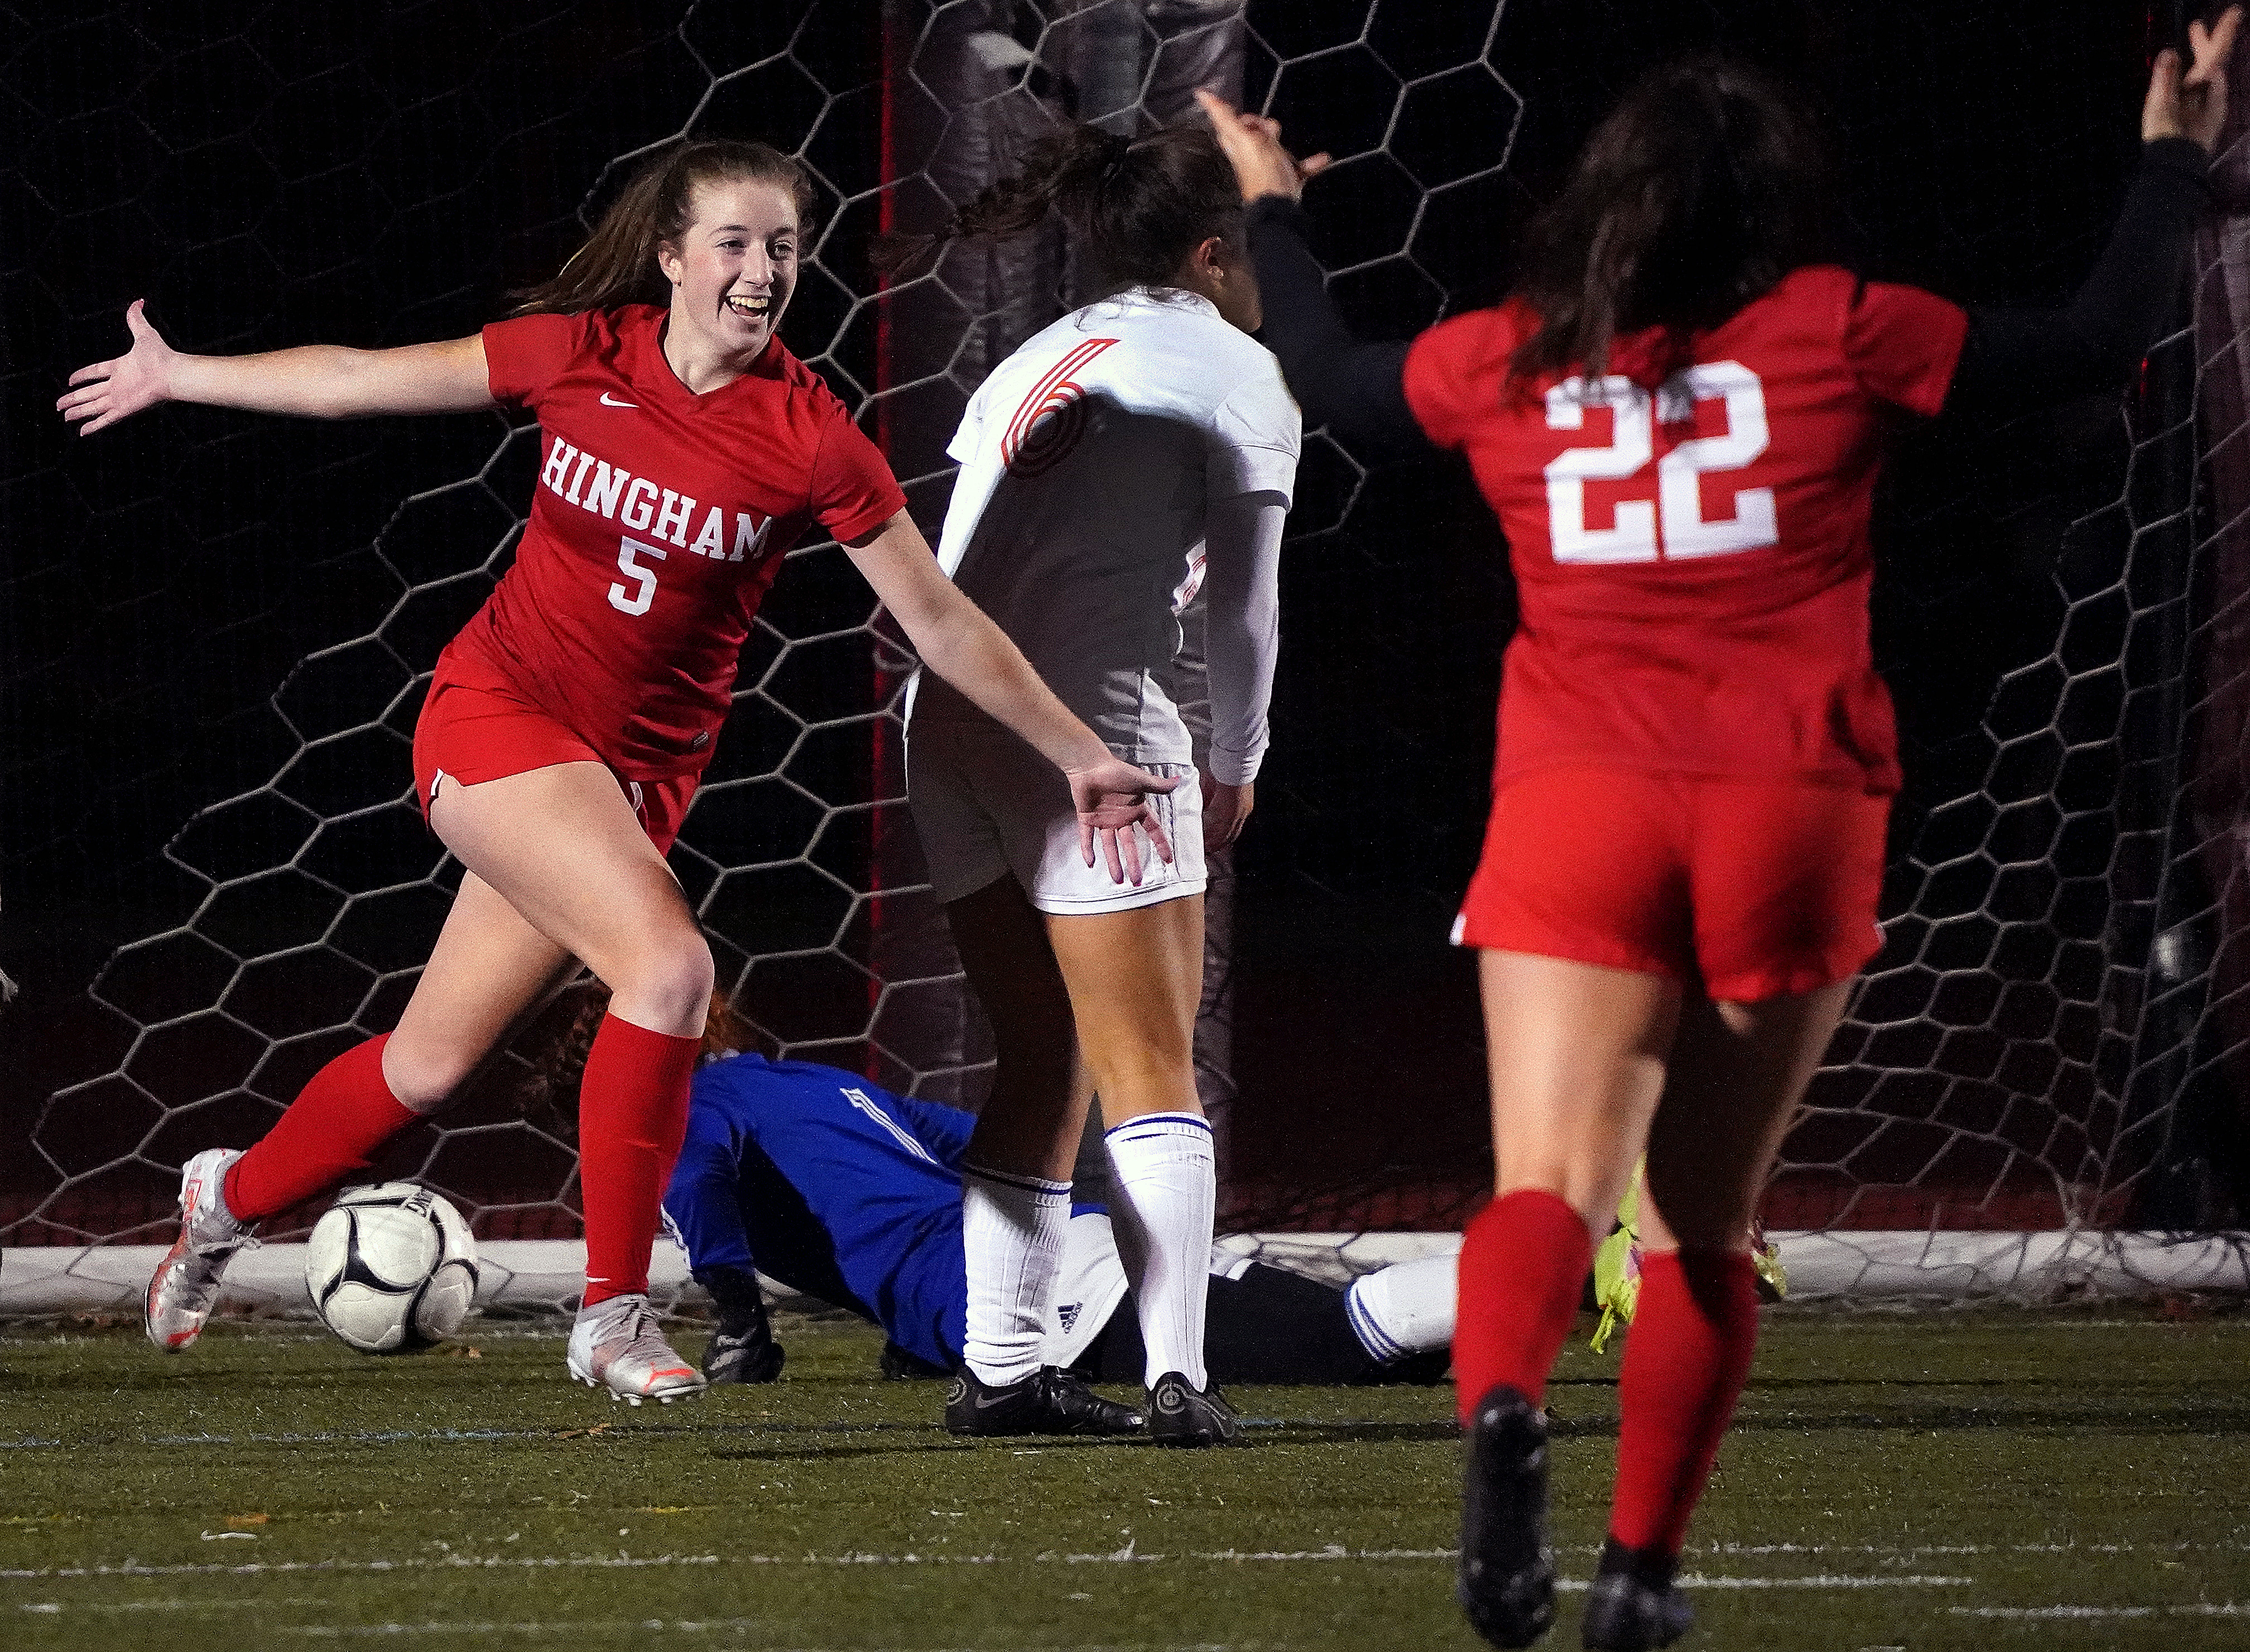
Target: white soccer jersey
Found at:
x=1090, y=462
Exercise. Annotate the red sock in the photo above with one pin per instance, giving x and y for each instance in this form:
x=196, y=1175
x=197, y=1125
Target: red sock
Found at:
x=1685, y=1359
x=633, y=1116
x=331, y=1130
x=1523, y=1268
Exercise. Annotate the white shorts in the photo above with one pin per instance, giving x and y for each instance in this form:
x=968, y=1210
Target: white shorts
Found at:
x=987, y=807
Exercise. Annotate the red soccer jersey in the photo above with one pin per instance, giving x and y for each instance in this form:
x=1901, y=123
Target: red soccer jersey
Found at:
x=1691, y=554
x=658, y=521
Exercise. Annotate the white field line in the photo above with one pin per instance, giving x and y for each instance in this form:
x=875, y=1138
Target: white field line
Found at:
x=2098, y=1614
x=1127, y=1555
x=724, y=1625
x=1332, y=1551
x=406, y=1436
x=689, y=1626
x=1907, y=1552
x=1700, y=1580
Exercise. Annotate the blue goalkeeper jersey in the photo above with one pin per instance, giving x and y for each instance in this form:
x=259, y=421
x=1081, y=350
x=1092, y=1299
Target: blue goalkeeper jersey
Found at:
x=833, y=1187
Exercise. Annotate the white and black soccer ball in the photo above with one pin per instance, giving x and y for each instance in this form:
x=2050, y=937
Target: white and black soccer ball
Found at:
x=392, y=1269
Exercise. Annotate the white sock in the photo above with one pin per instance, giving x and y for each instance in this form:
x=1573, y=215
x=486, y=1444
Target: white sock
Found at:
x=1011, y=1231
x=1405, y=1308
x=1163, y=1198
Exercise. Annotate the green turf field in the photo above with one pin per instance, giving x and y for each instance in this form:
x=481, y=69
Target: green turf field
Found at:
x=2051, y=1480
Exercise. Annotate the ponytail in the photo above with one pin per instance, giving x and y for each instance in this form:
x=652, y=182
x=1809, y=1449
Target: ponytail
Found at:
x=1140, y=206
x=617, y=264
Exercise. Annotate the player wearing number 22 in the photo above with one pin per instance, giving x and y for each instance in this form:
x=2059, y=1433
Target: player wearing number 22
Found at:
x=683, y=451
x=1679, y=423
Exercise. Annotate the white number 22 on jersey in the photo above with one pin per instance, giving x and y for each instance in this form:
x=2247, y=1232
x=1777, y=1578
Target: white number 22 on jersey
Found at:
x=1678, y=501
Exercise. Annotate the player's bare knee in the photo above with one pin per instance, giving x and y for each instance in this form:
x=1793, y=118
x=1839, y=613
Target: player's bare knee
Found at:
x=667, y=984
x=424, y=1077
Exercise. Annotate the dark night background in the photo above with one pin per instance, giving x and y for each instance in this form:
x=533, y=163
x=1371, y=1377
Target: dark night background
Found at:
x=384, y=174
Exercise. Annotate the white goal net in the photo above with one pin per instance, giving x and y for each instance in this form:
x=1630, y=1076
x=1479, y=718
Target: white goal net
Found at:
x=219, y=879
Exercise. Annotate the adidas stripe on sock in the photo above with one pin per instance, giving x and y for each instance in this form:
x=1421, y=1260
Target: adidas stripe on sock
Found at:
x=1405, y=1308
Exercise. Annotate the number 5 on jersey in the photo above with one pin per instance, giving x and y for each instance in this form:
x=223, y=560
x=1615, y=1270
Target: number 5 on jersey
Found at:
x=643, y=578
x=1678, y=501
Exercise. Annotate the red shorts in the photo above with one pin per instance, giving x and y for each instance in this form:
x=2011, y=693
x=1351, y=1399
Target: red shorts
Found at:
x=470, y=733
x=1751, y=889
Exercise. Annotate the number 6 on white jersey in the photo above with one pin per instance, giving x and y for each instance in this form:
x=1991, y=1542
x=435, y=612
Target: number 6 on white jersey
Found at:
x=1678, y=472
x=644, y=577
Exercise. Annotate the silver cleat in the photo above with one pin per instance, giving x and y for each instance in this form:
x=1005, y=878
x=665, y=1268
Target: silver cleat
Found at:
x=616, y=1345
x=185, y=1287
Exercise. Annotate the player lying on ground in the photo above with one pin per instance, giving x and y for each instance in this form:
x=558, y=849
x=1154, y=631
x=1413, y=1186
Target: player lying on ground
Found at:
x=1678, y=422
x=851, y=1195
x=685, y=450
x=1137, y=448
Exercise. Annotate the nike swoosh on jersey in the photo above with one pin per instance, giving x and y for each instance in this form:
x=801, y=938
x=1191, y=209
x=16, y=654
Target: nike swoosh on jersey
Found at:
x=609, y=401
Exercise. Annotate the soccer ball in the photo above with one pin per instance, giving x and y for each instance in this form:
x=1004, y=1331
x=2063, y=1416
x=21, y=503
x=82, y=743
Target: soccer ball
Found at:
x=392, y=1269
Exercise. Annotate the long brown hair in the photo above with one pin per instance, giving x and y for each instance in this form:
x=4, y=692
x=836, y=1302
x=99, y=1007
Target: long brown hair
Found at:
x=1138, y=205
x=561, y=1036
x=1706, y=185
x=617, y=264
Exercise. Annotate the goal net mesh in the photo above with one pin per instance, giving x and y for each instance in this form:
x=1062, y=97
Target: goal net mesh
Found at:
x=218, y=629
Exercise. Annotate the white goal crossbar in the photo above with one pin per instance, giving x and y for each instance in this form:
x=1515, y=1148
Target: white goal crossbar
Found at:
x=1860, y=1269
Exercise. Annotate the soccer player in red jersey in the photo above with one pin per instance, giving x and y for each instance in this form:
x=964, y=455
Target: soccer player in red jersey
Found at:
x=1678, y=421
x=685, y=450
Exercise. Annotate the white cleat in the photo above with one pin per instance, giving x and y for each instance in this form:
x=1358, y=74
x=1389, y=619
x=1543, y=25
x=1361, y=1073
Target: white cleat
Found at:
x=617, y=1344
x=185, y=1287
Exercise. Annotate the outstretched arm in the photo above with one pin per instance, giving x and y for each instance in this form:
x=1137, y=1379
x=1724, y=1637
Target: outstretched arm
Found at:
x=314, y=381
x=2094, y=342
x=1353, y=387
x=958, y=642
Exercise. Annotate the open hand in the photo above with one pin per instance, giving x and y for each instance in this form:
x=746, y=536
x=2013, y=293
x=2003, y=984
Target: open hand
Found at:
x=110, y=391
x=1112, y=797
x=2193, y=105
x=1252, y=143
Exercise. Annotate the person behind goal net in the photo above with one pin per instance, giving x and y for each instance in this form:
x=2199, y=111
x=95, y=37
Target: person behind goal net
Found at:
x=1678, y=423
x=845, y=1192
x=1138, y=447
x=685, y=450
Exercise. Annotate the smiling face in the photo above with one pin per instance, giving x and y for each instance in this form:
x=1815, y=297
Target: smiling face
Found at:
x=732, y=269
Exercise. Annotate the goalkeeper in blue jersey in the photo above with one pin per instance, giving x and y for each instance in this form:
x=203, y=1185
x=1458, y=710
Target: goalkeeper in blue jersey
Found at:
x=845, y=1192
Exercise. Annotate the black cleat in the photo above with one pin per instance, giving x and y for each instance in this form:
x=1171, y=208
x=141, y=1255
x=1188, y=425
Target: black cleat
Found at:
x=1179, y=1415
x=1631, y=1606
x=754, y=1358
x=1506, y=1583
x=1050, y=1400
x=742, y=1348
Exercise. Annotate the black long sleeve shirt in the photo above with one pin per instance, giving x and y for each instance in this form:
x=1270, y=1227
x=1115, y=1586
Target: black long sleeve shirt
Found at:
x=1356, y=387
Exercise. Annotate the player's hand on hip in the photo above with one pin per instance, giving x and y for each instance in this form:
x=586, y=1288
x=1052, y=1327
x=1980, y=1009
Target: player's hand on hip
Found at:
x=1226, y=810
x=108, y=391
x=1112, y=798
x=2191, y=104
x=1253, y=144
